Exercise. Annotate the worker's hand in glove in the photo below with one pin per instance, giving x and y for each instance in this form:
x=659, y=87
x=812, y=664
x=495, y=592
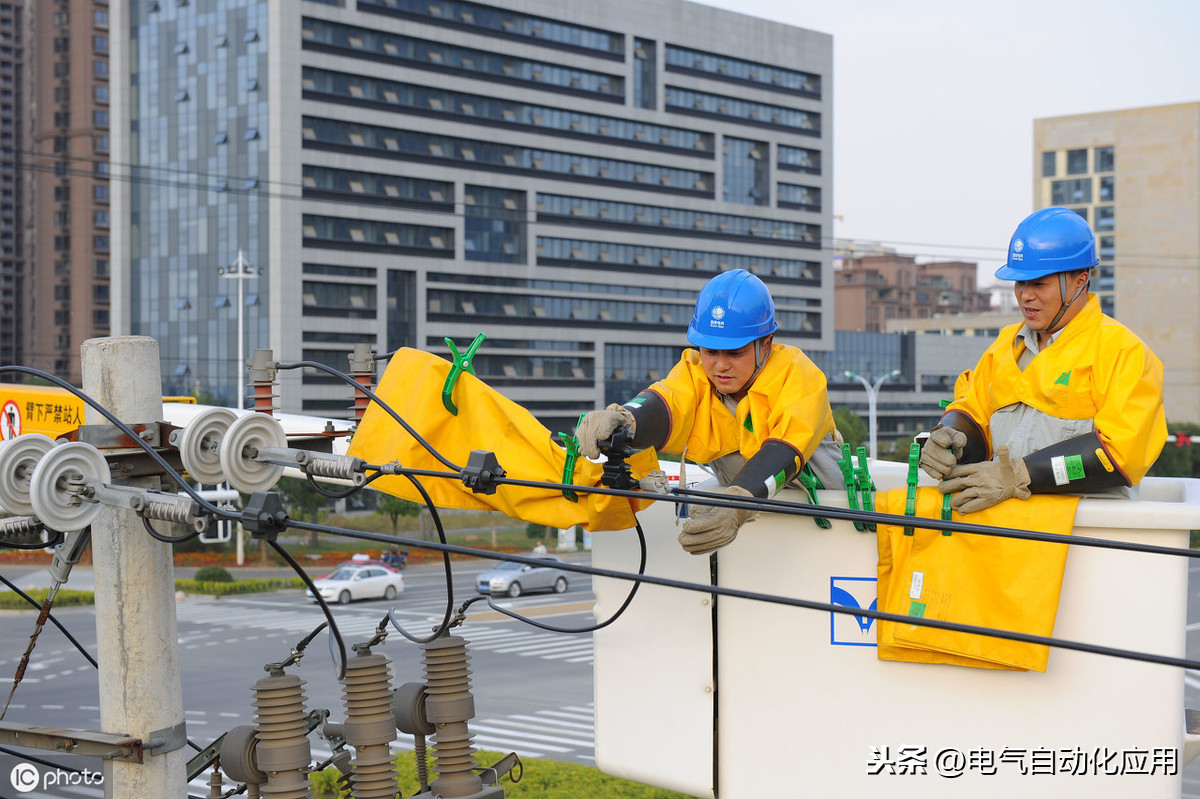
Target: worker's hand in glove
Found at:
x=942, y=450
x=711, y=528
x=981, y=485
x=596, y=426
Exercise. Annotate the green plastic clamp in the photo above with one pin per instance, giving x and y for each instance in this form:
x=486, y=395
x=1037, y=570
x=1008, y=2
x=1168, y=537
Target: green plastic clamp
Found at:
x=811, y=483
x=910, y=503
x=461, y=363
x=944, y=403
x=571, y=442
x=846, y=464
x=946, y=511
x=865, y=485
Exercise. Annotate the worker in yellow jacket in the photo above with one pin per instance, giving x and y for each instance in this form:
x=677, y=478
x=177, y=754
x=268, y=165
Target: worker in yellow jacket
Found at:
x=755, y=410
x=1067, y=401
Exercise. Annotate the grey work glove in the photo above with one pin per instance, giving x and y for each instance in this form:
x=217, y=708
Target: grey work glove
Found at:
x=595, y=426
x=942, y=450
x=711, y=528
x=982, y=485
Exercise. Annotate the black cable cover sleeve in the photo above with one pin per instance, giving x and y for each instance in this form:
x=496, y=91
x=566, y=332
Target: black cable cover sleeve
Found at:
x=652, y=420
x=976, y=449
x=775, y=458
x=1079, y=465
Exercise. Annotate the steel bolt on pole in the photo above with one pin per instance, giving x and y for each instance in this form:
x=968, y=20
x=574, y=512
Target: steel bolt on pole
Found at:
x=872, y=391
x=141, y=691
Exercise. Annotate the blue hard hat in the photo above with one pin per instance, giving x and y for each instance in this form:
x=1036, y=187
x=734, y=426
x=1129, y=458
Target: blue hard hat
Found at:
x=1049, y=241
x=733, y=309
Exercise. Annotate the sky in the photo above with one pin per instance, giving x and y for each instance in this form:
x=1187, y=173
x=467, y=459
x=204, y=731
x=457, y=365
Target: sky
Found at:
x=934, y=103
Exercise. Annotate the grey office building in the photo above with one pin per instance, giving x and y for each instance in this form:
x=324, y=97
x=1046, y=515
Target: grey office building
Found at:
x=562, y=176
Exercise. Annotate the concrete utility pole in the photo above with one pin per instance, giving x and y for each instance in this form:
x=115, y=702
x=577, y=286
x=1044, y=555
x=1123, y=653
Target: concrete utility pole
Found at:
x=136, y=632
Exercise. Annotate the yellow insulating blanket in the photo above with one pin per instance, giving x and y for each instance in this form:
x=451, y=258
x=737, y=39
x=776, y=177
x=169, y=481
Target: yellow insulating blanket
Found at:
x=990, y=581
x=412, y=386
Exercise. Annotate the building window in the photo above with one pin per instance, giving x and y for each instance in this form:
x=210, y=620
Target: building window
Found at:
x=1071, y=192
x=100, y=144
x=494, y=228
x=1105, y=217
x=100, y=44
x=1104, y=159
x=1077, y=162
x=339, y=87
x=804, y=198
x=100, y=192
x=100, y=68
x=800, y=159
x=745, y=171
x=100, y=118
x=181, y=95
x=100, y=94
x=687, y=101
x=1049, y=164
x=100, y=19
x=100, y=317
x=100, y=218
x=1106, y=188
x=100, y=243
x=1108, y=248
x=645, y=74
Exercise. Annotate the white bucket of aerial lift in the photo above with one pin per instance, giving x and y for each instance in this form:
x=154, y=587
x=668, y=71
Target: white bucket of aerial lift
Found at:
x=768, y=700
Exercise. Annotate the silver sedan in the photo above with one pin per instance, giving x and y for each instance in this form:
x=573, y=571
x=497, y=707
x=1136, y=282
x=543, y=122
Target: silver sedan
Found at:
x=513, y=579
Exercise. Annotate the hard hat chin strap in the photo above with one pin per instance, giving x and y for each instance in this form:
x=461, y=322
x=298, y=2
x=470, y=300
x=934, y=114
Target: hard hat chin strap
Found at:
x=1062, y=293
x=761, y=353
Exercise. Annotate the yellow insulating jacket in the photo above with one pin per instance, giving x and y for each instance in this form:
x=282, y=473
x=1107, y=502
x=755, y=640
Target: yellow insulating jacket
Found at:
x=1096, y=369
x=486, y=420
x=787, y=402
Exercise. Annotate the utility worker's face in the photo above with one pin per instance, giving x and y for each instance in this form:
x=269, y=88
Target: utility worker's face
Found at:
x=729, y=370
x=1041, y=298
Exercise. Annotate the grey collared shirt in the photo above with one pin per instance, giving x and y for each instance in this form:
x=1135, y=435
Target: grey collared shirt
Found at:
x=1024, y=429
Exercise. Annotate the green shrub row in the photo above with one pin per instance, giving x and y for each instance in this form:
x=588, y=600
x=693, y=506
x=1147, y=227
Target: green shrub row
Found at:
x=542, y=779
x=253, y=586
x=10, y=600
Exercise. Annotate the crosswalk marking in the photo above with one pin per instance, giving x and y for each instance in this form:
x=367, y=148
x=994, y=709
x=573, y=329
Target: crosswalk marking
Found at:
x=502, y=638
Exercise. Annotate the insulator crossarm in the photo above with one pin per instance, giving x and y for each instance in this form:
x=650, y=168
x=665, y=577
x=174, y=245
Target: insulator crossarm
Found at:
x=20, y=526
x=155, y=505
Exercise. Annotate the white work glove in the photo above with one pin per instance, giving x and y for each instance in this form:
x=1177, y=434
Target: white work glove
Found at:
x=982, y=485
x=596, y=426
x=942, y=450
x=711, y=528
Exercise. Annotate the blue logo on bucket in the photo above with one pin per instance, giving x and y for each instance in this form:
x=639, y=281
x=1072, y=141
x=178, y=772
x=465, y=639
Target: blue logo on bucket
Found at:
x=856, y=593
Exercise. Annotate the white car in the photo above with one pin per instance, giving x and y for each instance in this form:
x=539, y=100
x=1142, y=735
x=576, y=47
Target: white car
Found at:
x=352, y=581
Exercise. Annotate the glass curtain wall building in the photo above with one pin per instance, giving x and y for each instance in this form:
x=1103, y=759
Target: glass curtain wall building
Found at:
x=563, y=178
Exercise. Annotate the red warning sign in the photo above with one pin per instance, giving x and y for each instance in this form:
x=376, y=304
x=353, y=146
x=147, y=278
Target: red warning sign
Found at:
x=10, y=421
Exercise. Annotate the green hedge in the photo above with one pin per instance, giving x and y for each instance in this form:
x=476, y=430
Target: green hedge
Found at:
x=10, y=600
x=543, y=779
x=67, y=597
x=237, y=587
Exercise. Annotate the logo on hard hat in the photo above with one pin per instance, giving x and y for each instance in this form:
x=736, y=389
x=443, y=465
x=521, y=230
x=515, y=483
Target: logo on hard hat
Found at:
x=718, y=313
x=1018, y=245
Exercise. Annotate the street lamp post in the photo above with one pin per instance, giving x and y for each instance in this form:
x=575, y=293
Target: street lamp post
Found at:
x=872, y=390
x=240, y=271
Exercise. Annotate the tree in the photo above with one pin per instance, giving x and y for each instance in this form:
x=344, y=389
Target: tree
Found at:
x=1179, y=459
x=851, y=426
x=394, y=508
x=300, y=501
